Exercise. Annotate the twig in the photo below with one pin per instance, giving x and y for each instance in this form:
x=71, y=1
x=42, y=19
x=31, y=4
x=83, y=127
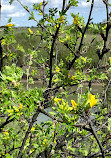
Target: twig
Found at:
x=97, y=139
x=53, y=43
x=27, y=133
x=104, y=37
x=63, y=6
x=8, y=120
x=50, y=152
x=34, y=18
x=83, y=34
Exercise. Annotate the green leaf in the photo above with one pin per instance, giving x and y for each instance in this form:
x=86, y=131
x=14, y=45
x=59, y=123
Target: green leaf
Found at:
x=103, y=76
x=9, y=78
x=11, y=1
x=31, y=81
x=52, y=113
x=32, y=16
x=19, y=47
x=9, y=20
x=26, y=7
x=7, y=155
x=73, y=2
x=109, y=69
x=109, y=124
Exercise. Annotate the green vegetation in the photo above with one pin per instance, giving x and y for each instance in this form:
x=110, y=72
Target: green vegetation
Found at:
x=66, y=58
x=21, y=34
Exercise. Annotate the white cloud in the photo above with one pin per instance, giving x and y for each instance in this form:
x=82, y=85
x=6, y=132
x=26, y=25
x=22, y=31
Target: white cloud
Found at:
x=17, y=14
x=55, y=2
x=11, y=10
x=97, y=4
x=7, y=8
x=85, y=4
x=31, y=1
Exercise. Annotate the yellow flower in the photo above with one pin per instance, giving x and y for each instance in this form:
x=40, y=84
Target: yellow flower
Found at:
x=33, y=129
x=57, y=69
x=75, y=20
x=57, y=100
x=16, y=109
x=44, y=142
x=56, y=80
x=20, y=106
x=30, y=31
x=3, y=153
x=3, y=42
x=74, y=103
x=54, y=141
x=63, y=102
x=72, y=77
x=61, y=41
x=110, y=59
x=65, y=108
x=10, y=111
x=56, y=26
x=92, y=100
x=84, y=59
x=6, y=133
x=103, y=28
x=68, y=37
x=61, y=106
x=40, y=3
x=9, y=25
x=40, y=13
x=61, y=19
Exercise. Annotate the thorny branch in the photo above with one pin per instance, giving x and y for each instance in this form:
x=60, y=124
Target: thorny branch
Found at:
x=104, y=37
x=97, y=139
x=34, y=117
x=53, y=43
x=77, y=54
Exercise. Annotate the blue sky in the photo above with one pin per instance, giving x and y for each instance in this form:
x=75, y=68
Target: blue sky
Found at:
x=20, y=16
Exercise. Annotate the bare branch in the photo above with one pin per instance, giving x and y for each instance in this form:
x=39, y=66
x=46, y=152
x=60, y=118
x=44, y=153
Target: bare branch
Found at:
x=83, y=34
x=27, y=133
x=97, y=139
